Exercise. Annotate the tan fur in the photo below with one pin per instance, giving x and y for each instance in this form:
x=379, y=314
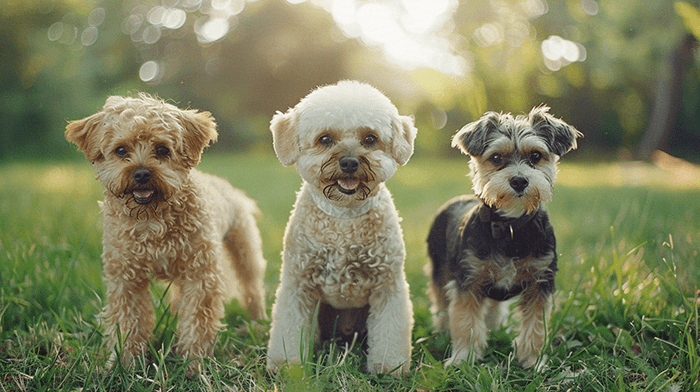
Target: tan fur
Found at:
x=534, y=309
x=196, y=227
x=344, y=251
x=467, y=325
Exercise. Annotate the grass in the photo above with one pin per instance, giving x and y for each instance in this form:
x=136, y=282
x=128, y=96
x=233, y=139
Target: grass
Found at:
x=625, y=316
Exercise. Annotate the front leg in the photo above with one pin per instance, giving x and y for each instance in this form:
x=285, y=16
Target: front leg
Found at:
x=467, y=324
x=200, y=308
x=389, y=326
x=129, y=311
x=534, y=309
x=292, y=319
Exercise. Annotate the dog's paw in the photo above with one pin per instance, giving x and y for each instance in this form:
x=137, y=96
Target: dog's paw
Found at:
x=468, y=356
x=275, y=364
x=272, y=366
x=394, y=370
x=534, y=362
x=124, y=358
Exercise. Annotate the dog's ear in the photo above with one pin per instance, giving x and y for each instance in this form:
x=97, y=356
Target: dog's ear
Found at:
x=559, y=136
x=284, y=139
x=199, y=131
x=473, y=137
x=404, y=137
x=85, y=134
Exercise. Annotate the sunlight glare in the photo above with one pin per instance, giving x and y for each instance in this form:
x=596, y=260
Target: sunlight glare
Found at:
x=344, y=14
x=423, y=15
x=411, y=33
x=378, y=24
x=211, y=30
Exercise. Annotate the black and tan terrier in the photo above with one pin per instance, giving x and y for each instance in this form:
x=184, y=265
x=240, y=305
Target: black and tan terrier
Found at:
x=498, y=243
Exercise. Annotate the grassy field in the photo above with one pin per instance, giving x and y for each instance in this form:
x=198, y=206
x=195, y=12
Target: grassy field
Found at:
x=625, y=315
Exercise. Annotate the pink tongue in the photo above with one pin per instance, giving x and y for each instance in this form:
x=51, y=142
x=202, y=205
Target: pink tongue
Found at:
x=349, y=184
x=143, y=194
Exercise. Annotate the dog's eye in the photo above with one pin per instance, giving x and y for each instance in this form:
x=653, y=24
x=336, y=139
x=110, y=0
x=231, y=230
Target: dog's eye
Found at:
x=496, y=159
x=325, y=140
x=121, y=152
x=369, y=140
x=162, y=151
x=535, y=157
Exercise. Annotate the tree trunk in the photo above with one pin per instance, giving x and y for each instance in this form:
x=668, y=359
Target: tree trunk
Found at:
x=669, y=89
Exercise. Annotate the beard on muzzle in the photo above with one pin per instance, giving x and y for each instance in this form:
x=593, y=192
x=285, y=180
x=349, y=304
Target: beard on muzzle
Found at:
x=335, y=192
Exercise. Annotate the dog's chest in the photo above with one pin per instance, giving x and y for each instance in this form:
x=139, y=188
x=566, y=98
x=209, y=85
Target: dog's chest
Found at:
x=500, y=277
x=346, y=260
x=346, y=277
x=163, y=247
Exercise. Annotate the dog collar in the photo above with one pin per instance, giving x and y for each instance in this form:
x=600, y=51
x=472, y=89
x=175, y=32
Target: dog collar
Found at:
x=343, y=212
x=501, y=227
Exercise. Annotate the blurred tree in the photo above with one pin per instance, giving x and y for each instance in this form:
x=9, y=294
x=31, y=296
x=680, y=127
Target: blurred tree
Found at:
x=667, y=101
x=270, y=59
x=51, y=72
x=596, y=63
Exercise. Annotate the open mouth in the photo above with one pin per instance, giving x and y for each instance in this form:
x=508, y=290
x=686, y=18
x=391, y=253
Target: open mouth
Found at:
x=348, y=186
x=143, y=196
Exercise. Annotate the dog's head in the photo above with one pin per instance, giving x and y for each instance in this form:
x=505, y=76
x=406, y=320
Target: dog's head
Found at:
x=143, y=148
x=344, y=139
x=514, y=160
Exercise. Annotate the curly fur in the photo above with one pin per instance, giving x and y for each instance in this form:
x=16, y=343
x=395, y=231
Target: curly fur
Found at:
x=194, y=229
x=343, y=248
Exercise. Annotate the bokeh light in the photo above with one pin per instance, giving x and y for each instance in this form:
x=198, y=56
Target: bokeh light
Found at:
x=411, y=34
x=89, y=36
x=149, y=71
x=559, y=52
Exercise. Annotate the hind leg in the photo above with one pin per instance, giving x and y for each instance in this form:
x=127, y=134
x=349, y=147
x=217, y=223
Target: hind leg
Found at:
x=495, y=313
x=244, y=246
x=440, y=303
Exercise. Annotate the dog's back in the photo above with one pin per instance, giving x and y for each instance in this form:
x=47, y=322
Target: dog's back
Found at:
x=445, y=234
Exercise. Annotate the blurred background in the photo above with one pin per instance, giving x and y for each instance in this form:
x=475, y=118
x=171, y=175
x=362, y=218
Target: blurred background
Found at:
x=625, y=73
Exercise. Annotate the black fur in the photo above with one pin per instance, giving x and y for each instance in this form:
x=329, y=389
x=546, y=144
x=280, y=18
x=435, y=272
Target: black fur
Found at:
x=560, y=136
x=459, y=232
x=474, y=138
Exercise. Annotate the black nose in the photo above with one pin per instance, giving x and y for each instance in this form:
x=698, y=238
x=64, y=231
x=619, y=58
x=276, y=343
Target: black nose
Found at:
x=518, y=183
x=349, y=164
x=142, y=176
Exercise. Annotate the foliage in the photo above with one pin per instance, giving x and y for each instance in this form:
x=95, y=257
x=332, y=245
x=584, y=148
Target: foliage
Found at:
x=626, y=305
x=691, y=17
x=60, y=59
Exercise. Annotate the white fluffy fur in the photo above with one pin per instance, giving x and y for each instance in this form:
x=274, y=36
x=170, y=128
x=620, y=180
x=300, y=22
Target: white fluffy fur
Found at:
x=351, y=255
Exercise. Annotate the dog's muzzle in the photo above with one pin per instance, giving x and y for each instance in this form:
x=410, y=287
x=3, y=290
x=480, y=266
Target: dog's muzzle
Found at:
x=142, y=195
x=519, y=184
x=348, y=165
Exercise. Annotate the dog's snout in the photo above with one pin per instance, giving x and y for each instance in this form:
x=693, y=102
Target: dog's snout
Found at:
x=349, y=164
x=518, y=183
x=142, y=176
